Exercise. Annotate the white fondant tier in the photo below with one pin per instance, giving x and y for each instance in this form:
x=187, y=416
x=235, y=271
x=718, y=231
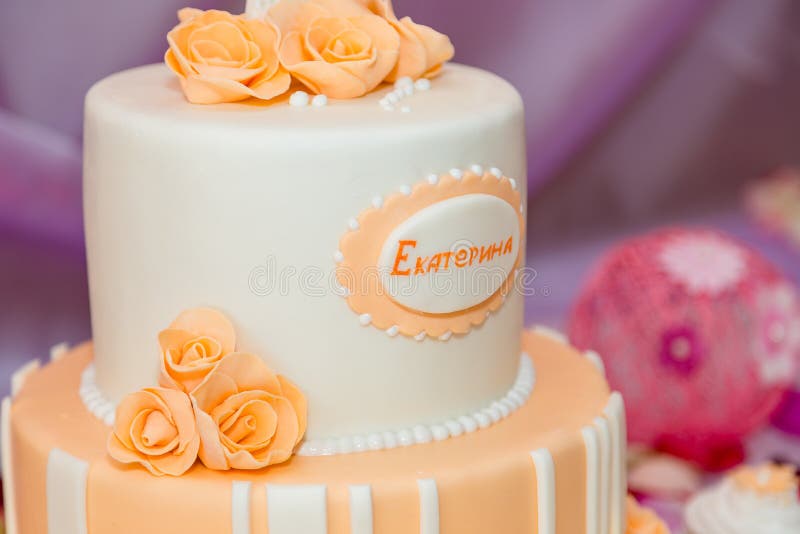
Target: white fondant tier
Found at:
x=241, y=207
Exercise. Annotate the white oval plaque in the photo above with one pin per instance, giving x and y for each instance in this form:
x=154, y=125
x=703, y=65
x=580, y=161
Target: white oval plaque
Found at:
x=452, y=255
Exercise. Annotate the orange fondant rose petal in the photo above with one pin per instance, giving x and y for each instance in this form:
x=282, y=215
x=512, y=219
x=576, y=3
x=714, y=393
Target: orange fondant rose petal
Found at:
x=211, y=452
x=279, y=449
x=220, y=57
x=207, y=322
x=293, y=15
x=188, y=13
x=268, y=88
x=438, y=48
x=299, y=403
x=155, y=427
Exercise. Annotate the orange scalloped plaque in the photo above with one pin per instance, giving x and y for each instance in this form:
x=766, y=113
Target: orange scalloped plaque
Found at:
x=436, y=258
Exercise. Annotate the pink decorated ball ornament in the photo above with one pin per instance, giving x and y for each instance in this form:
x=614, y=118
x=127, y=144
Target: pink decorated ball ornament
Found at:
x=700, y=334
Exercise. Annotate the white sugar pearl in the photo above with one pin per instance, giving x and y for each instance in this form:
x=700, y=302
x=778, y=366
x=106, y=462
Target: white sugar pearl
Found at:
x=423, y=84
x=403, y=82
x=299, y=99
x=319, y=101
x=406, y=109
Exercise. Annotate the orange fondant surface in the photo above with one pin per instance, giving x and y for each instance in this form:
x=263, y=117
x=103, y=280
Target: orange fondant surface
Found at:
x=486, y=481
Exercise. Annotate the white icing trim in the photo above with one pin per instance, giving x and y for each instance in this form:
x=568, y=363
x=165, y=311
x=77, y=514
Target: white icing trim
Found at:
x=58, y=351
x=592, y=443
x=66, y=493
x=604, y=441
x=94, y=400
x=545, y=490
x=240, y=507
x=615, y=412
x=551, y=333
x=295, y=509
x=299, y=99
x=596, y=360
x=428, y=506
x=360, y=509
x=21, y=375
x=419, y=434
x=9, y=506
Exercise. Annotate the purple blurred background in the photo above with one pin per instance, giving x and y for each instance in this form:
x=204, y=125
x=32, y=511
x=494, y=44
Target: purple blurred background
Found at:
x=637, y=113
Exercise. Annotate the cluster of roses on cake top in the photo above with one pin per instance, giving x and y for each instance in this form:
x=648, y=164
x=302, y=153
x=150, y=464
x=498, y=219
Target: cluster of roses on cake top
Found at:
x=339, y=48
x=224, y=407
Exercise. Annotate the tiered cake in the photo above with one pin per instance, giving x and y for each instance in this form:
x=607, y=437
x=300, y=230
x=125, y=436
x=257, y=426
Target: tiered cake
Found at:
x=368, y=247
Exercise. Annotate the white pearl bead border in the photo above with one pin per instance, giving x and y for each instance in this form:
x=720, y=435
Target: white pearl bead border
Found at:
x=403, y=88
x=498, y=410
x=365, y=319
x=93, y=398
x=301, y=99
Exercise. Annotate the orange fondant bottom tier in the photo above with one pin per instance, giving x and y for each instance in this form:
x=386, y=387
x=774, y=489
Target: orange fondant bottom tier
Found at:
x=553, y=466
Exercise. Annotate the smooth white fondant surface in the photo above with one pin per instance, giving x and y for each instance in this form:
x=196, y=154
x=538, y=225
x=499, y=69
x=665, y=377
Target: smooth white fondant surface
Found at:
x=20, y=375
x=459, y=223
x=615, y=414
x=240, y=507
x=240, y=207
x=9, y=500
x=428, y=506
x=360, y=509
x=604, y=442
x=66, y=493
x=545, y=490
x=423, y=433
x=296, y=509
x=58, y=351
x=593, y=489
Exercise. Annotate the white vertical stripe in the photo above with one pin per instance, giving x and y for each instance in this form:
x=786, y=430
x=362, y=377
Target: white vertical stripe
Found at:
x=615, y=412
x=428, y=506
x=545, y=490
x=604, y=441
x=66, y=493
x=59, y=351
x=297, y=509
x=360, y=509
x=9, y=505
x=21, y=375
x=551, y=333
x=240, y=507
x=592, y=444
x=596, y=360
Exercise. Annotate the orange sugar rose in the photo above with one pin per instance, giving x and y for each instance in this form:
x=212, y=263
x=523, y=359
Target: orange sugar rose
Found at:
x=247, y=416
x=335, y=47
x=192, y=345
x=221, y=57
x=423, y=50
x=155, y=427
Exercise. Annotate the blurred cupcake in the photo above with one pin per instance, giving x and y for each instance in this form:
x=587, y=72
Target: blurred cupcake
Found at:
x=751, y=499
